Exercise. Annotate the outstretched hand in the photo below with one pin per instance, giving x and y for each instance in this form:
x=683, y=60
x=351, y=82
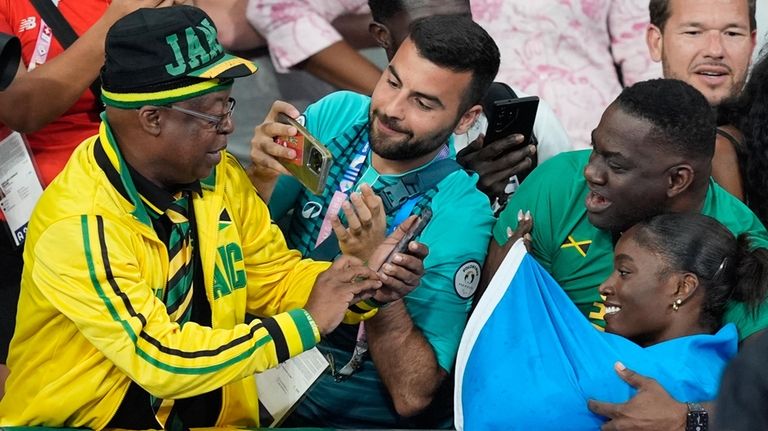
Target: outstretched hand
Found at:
x=496, y=162
x=497, y=253
x=346, y=282
x=524, y=229
x=652, y=408
x=366, y=224
x=400, y=272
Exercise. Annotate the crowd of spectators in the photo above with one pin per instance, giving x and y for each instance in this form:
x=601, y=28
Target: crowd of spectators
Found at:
x=620, y=243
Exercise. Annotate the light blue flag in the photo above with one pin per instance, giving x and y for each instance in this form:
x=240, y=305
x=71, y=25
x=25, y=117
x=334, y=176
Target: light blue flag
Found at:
x=529, y=359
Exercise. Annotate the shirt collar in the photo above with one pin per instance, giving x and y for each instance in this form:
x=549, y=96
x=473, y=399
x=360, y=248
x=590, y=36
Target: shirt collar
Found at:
x=155, y=198
x=125, y=179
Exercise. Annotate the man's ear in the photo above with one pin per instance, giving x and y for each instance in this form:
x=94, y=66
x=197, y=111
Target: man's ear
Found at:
x=654, y=40
x=680, y=178
x=380, y=32
x=467, y=119
x=149, y=118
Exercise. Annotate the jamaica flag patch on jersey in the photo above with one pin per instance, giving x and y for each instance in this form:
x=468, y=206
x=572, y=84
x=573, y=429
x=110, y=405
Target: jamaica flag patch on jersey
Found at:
x=579, y=246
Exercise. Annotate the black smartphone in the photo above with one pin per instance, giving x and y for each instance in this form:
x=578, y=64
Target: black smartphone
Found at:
x=413, y=233
x=508, y=114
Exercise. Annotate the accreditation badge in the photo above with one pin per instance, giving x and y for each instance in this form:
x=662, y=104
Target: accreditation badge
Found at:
x=20, y=186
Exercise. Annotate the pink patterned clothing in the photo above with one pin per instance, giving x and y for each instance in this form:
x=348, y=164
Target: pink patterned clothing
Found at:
x=564, y=51
x=298, y=29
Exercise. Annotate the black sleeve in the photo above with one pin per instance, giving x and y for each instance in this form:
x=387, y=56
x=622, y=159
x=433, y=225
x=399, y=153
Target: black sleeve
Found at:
x=742, y=403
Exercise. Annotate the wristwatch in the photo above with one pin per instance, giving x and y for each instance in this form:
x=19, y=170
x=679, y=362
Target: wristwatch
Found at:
x=698, y=418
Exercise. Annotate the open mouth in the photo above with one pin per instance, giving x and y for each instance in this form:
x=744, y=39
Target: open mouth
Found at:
x=611, y=309
x=714, y=74
x=596, y=202
x=713, y=78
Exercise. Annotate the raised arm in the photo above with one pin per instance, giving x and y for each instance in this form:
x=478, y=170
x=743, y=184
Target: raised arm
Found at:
x=26, y=105
x=413, y=342
x=300, y=35
x=265, y=152
x=234, y=31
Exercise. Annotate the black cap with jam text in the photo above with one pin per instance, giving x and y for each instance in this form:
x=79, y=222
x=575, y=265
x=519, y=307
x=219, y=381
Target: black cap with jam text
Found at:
x=164, y=55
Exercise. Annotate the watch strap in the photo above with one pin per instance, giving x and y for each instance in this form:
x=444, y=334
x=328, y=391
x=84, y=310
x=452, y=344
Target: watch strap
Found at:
x=697, y=419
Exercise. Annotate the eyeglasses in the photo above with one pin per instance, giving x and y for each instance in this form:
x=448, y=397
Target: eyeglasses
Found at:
x=216, y=121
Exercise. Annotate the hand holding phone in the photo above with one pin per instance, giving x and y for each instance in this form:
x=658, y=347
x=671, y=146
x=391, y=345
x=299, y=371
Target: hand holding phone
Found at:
x=412, y=234
x=404, y=275
x=508, y=114
x=313, y=160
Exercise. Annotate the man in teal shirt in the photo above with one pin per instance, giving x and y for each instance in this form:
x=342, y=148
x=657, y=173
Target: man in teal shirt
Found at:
x=430, y=90
x=652, y=153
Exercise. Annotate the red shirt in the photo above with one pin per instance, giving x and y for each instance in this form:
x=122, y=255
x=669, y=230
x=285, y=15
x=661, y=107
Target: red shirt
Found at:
x=53, y=144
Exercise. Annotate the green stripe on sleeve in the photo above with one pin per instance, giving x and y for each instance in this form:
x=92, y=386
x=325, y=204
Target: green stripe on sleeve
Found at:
x=307, y=328
x=132, y=335
x=204, y=369
x=95, y=280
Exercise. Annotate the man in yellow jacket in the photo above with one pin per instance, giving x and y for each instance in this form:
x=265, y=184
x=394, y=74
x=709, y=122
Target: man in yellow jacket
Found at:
x=145, y=254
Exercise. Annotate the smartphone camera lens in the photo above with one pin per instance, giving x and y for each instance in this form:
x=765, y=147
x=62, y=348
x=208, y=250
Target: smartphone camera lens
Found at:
x=315, y=162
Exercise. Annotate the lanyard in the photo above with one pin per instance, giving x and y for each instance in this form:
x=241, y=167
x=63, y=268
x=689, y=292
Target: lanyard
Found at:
x=355, y=169
x=361, y=341
x=347, y=183
x=43, y=44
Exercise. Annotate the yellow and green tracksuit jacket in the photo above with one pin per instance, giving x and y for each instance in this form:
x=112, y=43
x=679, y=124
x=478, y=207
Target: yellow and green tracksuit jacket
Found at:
x=91, y=318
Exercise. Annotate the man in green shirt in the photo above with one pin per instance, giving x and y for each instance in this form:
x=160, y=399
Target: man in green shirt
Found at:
x=652, y=154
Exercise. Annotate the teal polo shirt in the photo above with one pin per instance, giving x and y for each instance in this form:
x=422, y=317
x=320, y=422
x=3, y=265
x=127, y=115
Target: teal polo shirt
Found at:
x=457, y=237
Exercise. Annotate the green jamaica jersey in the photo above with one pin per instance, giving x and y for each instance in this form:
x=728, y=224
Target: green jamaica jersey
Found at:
x=580, y=256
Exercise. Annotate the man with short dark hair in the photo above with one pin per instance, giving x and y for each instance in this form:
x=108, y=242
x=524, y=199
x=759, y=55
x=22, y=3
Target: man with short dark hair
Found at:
x=499, y=164
x=145, y=254
x=652, y=154
x=392, y=18
x=706, y=43
x=429, y=91
x=709, y=45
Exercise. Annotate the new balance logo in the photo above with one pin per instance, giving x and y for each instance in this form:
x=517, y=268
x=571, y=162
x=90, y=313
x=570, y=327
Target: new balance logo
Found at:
x=28, y=23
